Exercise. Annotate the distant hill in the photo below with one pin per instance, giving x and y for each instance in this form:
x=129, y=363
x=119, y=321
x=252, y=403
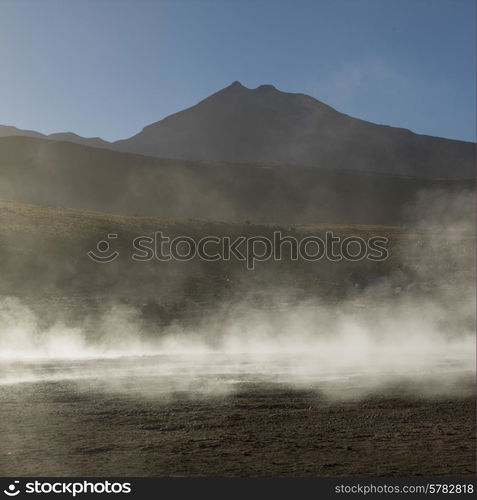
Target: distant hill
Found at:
x=70, y=175
x=7, y=131
x=265, y=125
x=95, y=142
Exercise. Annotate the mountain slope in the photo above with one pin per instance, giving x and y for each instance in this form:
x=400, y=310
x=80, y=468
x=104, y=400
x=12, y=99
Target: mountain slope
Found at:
x=267, y=125
x=80, y=177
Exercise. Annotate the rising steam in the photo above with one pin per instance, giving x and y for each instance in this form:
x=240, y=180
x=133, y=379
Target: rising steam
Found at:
x=417, y=332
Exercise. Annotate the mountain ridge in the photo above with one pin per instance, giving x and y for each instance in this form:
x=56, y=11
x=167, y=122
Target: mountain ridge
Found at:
x=97, y=142
x=266, y=125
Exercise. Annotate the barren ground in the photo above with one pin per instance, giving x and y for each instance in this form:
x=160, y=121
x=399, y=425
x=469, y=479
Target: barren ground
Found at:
x=58, y=428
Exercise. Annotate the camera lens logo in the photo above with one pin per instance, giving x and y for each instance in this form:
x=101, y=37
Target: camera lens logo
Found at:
x=12, y=490
x=103, y=251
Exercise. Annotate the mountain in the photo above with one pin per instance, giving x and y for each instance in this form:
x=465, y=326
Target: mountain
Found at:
x=58, y=173
x=8, y=131
x=238, y=124
x=95, y=142
x=265, y=125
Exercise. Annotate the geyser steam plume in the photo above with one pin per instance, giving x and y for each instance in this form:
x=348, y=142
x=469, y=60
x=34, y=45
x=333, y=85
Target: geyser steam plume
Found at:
x=415, y=329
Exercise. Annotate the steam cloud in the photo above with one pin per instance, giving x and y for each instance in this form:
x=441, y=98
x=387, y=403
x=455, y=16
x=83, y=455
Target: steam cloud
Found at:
x=415, y=329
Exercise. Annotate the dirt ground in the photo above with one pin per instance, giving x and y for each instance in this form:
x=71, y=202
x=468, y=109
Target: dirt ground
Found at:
x=58, y=429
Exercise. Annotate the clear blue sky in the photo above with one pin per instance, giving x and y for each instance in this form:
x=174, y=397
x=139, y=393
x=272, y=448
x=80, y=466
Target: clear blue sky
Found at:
x=109, y=67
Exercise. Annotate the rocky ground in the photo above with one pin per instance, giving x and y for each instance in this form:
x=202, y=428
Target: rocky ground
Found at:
x=62, y=428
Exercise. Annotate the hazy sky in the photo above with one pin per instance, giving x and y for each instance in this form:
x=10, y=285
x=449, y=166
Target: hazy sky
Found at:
x=109, y=67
